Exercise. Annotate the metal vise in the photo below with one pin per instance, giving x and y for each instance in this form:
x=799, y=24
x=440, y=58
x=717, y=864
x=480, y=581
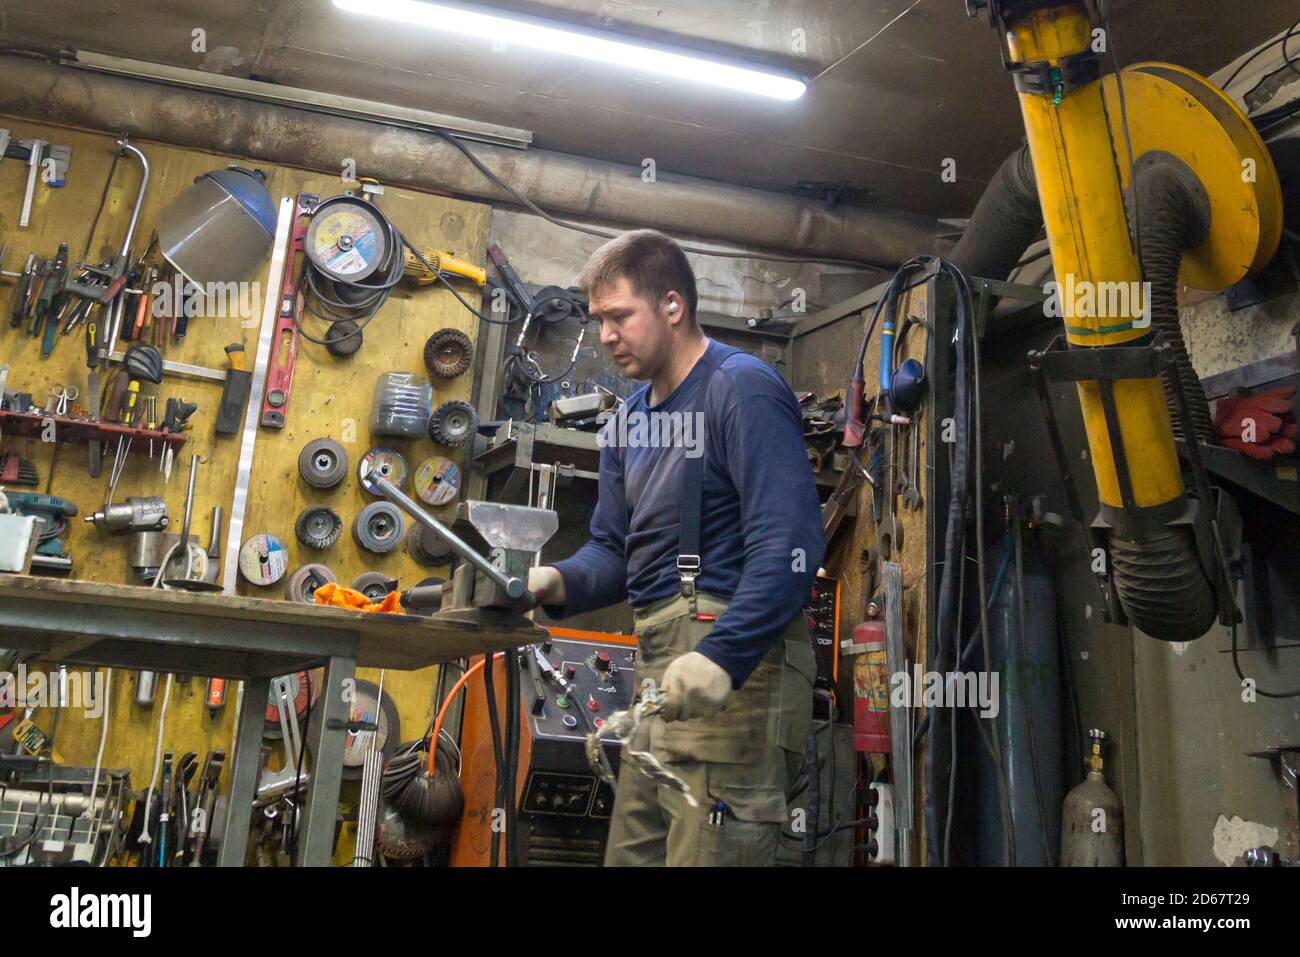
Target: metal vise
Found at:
x=514, y=533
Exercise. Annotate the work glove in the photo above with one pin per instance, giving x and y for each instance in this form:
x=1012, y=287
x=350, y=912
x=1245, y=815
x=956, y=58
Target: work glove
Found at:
x=694, y=687
x=546, y=584
x=1261, y=425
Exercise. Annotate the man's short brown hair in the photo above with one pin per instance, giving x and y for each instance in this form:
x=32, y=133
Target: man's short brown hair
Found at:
x=652, y=263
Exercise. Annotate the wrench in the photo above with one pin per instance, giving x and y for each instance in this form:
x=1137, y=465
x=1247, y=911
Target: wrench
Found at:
x=899, y=449
x=912, y=493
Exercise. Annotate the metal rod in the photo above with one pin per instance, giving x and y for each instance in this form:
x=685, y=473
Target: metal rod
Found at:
x=514, y=587
x=124, y=147
x=183, y=369
x=248, y=438
x=189, y=503
x=33, y=162
x=115, y=326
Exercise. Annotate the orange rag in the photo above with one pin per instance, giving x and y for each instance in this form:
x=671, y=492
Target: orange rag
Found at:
x=340, y=597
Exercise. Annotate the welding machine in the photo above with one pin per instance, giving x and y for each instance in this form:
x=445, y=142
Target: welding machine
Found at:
x=563, y=808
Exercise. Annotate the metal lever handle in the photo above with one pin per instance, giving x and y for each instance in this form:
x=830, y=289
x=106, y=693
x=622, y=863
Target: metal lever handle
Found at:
x=515, y=588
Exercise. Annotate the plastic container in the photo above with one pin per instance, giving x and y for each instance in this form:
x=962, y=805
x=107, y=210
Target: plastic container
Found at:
x=401, y=406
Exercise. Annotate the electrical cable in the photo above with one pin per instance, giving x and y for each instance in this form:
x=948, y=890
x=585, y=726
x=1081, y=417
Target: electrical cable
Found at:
x=1250, y=59
x=607, y=234
x=498, y=754
x=145, y=837
x=985, y=603
x=1135, y=230
x=1236, y=664
x=367, y=299
x=1022, y=628
x=103, y=738
x=1266, y=121
x=513, y=691
x=437, y=731
x=952, y=724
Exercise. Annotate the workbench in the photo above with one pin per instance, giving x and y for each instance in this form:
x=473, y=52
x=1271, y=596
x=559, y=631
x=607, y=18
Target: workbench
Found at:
x=331, y=398
x=249, y=639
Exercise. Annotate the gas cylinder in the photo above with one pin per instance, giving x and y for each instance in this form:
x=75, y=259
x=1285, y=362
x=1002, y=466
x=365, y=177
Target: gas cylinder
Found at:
x=1092, y=818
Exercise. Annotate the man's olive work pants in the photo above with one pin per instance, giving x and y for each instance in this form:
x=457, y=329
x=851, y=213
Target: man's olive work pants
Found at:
x=739, y=765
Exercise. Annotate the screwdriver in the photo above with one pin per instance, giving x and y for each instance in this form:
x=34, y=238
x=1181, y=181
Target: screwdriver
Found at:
x=92, y=390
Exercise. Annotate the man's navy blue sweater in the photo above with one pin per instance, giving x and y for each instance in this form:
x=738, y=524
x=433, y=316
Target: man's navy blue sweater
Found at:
x=760, y=529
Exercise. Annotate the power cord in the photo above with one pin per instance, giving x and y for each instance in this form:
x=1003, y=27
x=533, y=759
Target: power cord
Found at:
x=1285, y=40
x=527, y=203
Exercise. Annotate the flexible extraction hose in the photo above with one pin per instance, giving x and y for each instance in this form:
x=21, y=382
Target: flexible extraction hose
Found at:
x=1175, y=217
x=1006, y=220
x=1158, y=576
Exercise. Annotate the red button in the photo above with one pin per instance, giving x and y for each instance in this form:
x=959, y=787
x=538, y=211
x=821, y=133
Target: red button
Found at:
x=593, y=704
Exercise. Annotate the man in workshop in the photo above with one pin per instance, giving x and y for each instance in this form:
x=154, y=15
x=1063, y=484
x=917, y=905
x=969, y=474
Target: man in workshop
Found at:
x=714, y=537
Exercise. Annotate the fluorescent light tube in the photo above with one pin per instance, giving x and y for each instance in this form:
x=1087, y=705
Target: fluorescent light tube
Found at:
x=602, y=47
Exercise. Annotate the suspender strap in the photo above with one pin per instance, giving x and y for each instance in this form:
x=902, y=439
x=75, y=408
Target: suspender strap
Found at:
x=688, y=541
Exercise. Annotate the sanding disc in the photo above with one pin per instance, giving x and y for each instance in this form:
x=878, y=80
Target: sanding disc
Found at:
x=437, y=480
x=263, y=559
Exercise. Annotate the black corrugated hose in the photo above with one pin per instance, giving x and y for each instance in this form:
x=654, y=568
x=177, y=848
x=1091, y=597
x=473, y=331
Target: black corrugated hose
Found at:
x=1174, y=219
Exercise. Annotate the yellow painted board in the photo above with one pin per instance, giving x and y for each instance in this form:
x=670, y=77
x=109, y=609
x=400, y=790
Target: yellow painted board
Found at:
x=329, y=396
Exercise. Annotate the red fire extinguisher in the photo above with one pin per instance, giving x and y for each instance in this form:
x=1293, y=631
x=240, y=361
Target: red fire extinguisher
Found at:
x=870, y=689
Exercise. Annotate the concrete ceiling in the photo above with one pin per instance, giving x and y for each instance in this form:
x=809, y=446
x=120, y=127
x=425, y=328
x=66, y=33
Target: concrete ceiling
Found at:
x=898, y=85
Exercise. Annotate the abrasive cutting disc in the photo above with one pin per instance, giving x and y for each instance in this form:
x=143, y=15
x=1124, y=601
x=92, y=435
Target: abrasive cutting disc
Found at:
x=385, y=463
x=263, y=559
x=347, y=239
x=437, y=480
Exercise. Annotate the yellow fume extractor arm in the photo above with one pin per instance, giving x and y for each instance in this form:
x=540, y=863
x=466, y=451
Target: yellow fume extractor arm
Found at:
x=1208, y=205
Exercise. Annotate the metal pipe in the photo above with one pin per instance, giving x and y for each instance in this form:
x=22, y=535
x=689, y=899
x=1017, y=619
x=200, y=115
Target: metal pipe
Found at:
x=189, y=504
x=115, y=324
x=513, y=586
x=560, y=183
x=124, y=147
